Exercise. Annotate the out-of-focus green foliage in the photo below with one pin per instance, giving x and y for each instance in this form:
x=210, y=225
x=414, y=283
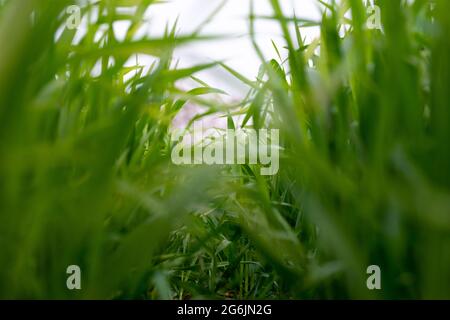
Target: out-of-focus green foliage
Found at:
x=86, y=176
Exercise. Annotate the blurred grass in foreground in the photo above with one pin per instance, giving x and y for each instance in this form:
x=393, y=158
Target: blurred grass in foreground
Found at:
x=86, y=176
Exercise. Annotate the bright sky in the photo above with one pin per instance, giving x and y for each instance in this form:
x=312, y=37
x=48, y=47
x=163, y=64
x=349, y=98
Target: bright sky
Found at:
x=237, y=52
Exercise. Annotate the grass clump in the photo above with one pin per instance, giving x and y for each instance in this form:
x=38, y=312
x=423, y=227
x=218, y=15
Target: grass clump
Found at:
x=86, y=176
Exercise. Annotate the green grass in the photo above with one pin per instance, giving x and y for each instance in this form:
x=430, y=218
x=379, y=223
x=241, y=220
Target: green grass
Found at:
x=86, y=176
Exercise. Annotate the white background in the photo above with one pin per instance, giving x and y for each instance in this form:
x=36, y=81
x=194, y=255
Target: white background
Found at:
x=232, y=21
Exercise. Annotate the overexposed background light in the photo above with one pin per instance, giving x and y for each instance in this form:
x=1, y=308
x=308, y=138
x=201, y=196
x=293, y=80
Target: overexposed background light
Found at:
x=232, y=21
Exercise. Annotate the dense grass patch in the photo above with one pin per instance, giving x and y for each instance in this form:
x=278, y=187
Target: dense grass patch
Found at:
x=86, y=176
